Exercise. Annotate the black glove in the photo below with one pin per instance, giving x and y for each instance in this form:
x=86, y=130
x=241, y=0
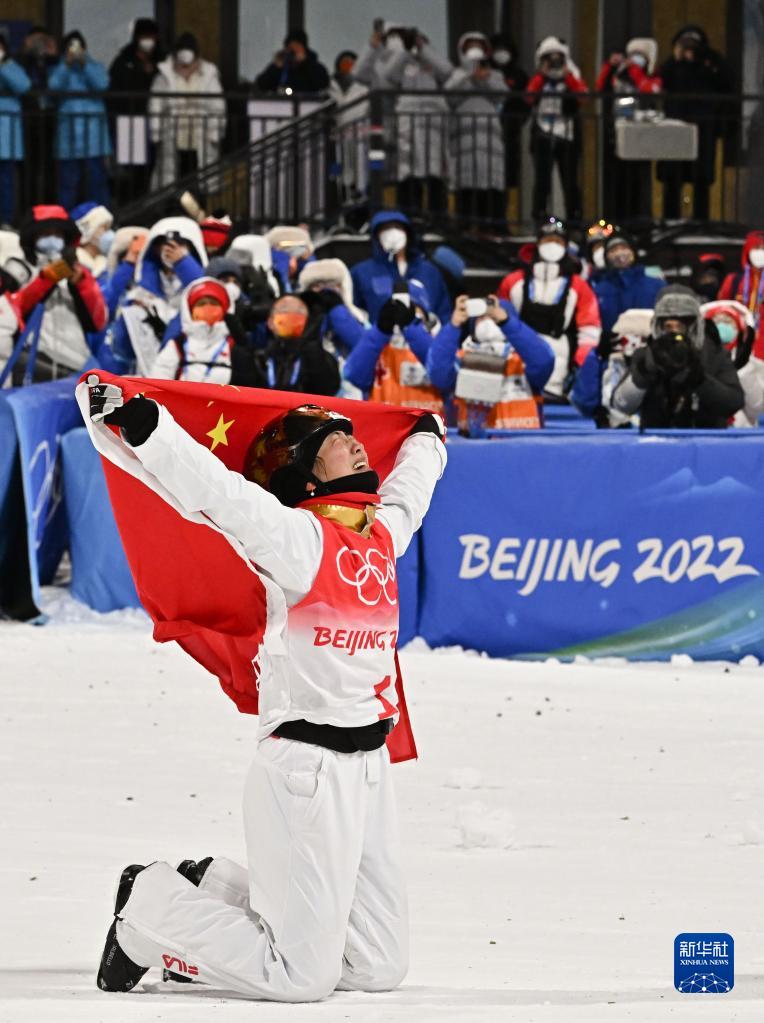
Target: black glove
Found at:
x=155, y=321
x=330, y=299
x=394, y=314
x=644, y=368
x=605, y=347
x=430, y=422
x=138, y=416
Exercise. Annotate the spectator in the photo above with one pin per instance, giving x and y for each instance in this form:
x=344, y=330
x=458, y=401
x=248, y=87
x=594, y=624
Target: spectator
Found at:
x=351, y=126
x=624, y=283
x=735, y=327
x=291, y=249
x=605, y=367
x=683, y=377
x=623, y=76
x=555, y=137
x=10, y=328
x=552, y=298
x=15, y=271
x=594, y=248
x=477, y=142
x=389, y=362
x=134, y=67
x=201, y=351
x=38, y=57
x=82, y=140
x=693, y=67
x=132, y=71
x=293, y=358
x=123, y=255
x=499, y=331
x=14, y=82
x=171, y=258
x=254, y=254
x=62, y=305
x=325, y=284
x=94, y=224
x=396, y=257
x=708, y=274
x=294, y=69
x=747, y=285
x=186, y=129
x=514, y=112
x=421, y=122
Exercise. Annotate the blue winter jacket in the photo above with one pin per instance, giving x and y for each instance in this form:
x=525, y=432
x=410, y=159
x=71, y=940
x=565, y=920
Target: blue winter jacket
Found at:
x=14, y=82
x=619, y=290
x=373, y=279
x=83, y=129
x=361, y=364
x=587, y=389
x=536, y=353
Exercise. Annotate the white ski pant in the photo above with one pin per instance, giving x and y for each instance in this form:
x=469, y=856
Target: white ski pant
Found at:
x=323, y=904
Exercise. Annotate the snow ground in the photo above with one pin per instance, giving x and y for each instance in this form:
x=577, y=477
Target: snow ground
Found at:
x=562, y=825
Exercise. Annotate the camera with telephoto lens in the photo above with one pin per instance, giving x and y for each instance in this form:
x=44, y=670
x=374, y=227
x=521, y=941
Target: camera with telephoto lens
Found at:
x=480, y=377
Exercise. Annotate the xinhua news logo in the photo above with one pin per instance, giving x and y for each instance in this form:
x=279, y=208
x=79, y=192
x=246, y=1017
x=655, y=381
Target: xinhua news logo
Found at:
x=704, y=964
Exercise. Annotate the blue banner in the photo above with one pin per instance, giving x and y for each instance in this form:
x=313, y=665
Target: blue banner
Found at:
x=41, y=415
x=100, y=574
x=608, y=544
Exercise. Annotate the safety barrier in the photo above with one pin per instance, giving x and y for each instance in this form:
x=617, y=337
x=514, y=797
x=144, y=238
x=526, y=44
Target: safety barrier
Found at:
x=597, y=544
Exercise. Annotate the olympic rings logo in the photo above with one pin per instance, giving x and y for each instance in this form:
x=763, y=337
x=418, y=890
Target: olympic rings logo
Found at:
x=370, y=575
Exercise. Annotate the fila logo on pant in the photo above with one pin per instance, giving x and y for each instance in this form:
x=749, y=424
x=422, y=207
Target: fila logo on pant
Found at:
x=173, y=963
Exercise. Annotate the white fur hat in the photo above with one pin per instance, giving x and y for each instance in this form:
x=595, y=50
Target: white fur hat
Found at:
x=121, y=244
x=333, y=271
x=647, y=46
x=284, y=236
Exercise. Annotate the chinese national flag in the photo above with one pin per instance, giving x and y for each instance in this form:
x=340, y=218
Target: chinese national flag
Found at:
x=195, y=586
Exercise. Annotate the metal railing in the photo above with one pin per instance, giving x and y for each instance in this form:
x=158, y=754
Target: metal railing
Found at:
x=475, y=162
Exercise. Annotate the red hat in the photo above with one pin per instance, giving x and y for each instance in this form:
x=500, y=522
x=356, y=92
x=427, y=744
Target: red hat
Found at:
x=208, y=289
x=215, y=231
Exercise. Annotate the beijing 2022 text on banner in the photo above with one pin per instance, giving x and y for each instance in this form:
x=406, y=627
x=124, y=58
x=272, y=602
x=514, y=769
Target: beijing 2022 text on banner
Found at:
x=608, y=544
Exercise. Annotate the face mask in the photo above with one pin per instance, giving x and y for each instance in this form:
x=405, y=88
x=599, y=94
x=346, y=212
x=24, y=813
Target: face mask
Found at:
x=209, y=314
x=394, y=44
x=49, y=245
x=393, y=240
x=756, y=258
x=185, y=57
x=727, y=331
x=234, y=291
x=289, y=324
x=502, y=57
x=147, y=44
x=488, y=330
x=551, y=252
x=104, y=242
x=598, y=257
x=475, y=53
x=638, y=59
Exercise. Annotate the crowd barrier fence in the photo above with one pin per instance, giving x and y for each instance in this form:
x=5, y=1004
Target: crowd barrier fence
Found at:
x=607, y=543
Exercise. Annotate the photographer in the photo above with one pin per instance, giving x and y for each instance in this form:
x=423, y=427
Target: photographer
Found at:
x=555, y=135
x=683, y=377
x=62, y=305
x=82, y=137
x=389, y=361
x=490, y=326
x=477, y=136
x=401, y=57
x=296, y=68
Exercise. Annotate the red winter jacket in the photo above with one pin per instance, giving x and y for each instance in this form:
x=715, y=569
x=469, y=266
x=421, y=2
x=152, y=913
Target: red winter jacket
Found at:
x=747, y=286
x=89, y=303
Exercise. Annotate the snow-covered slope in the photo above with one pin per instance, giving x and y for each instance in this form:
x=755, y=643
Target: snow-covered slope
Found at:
x=562, y=825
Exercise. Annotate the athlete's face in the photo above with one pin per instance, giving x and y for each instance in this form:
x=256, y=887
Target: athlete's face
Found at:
x=341, y=454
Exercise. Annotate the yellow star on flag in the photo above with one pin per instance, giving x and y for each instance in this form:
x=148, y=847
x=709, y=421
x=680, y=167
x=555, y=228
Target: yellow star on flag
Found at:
x=218, y=434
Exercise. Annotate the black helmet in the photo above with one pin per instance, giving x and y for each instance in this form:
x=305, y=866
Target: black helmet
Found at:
x=281, y=456
x=552, y=225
